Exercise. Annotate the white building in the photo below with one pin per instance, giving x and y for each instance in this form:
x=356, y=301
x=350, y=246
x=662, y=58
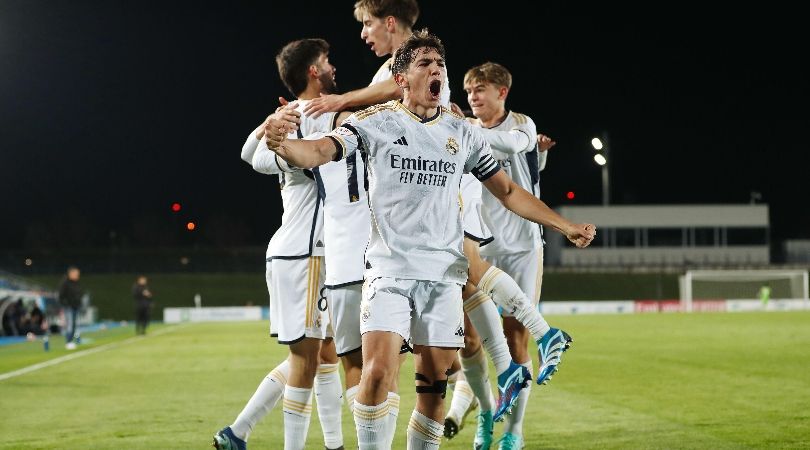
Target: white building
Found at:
x=658, y=235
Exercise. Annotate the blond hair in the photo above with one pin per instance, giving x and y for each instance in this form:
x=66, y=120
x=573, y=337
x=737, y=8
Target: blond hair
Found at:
x=405, y=11
x=489, y=73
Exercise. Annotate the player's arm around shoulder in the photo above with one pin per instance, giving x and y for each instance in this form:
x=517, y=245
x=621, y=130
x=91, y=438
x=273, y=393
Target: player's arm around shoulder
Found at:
x=526, y=205
x=315, y=151
x=305, y=154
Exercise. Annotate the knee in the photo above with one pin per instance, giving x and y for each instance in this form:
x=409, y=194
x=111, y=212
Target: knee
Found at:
x=376, y=374
x=308, y=362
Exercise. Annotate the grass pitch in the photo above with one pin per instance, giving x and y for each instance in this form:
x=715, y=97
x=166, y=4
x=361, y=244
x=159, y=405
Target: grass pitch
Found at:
x=629, y=381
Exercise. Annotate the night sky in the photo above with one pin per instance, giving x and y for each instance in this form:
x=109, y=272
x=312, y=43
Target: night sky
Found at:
x=110, y=111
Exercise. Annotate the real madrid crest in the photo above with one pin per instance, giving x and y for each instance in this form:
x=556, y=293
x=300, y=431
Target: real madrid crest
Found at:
x=451, y=146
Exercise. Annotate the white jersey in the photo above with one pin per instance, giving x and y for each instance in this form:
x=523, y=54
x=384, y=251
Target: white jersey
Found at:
x=384, y=73
x=415, y=167
x=346, y=218
x=346, y=215
x=301, y=232
x=513, y=233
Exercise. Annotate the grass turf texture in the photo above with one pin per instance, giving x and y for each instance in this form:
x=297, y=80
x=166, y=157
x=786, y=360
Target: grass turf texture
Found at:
x=630, y=381
x=111, y=293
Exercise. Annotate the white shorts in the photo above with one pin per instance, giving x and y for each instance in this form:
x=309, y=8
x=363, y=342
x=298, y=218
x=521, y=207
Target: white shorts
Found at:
x=274, y=317
x=428, y=313
x=295, y=290
x=344, y=314
x=526, y=268
x=474, y=226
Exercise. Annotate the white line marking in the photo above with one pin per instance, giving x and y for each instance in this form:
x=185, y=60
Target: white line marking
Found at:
x=79, y=354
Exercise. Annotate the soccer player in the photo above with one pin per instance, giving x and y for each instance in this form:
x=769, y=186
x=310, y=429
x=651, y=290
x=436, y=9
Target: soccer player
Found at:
x=386, y=24
x=295, y=256
x=517, y=249
x=414, y=263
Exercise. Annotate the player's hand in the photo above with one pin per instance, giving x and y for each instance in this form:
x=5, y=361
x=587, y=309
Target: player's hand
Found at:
x=544, y=142
x=275, y=132
x=581, y=234
x=323, y=104
x=287, y=113
x=456, y=109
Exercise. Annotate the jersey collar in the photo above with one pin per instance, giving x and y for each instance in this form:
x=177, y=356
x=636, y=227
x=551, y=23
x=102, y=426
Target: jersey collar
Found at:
x=426, y=120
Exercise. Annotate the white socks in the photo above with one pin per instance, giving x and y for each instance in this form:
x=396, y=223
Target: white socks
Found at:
x=485, y=318
x=475, y=370
x=329, y=397
x=297, y=411
x=351, y=393
x=264, y=399
x=393, y=413
x=462, y=399
x=424, y=433
x=371, y=424
x=507, y=294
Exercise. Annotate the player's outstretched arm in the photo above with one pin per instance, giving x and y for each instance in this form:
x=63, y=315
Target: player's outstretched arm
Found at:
x=526, y=205
x=301, y=153
x=371, y=95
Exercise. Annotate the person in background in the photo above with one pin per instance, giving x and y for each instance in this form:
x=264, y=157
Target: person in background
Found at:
x=143, y=304
x=70, y=297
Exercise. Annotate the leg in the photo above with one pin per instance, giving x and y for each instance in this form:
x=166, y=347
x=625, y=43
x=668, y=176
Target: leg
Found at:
x=474, y=365
x=298, y=392
x=70, y=327
x=296, y=286
x=483, y=315
x=432, y=363
x=344, y=314
x=437, y=329
x=463, y=401
x=380, y=358
x=329, y=396
x=262, y=402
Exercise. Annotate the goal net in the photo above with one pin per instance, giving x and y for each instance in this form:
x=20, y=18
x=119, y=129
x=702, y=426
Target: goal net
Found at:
x=743, y=284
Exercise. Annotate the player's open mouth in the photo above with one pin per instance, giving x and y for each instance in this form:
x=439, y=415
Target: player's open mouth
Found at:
x=435, y=88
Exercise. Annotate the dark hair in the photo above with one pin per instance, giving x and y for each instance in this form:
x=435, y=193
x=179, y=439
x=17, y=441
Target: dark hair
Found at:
x=295, y=58
x=405, y=11
x=406, y=53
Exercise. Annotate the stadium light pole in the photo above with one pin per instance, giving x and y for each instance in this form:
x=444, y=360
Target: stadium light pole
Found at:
x=601, y=145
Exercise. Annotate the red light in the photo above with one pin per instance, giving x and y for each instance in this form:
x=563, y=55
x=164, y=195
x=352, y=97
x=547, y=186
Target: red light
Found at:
x=175, y=207
x=570, y=195
x=191, y=226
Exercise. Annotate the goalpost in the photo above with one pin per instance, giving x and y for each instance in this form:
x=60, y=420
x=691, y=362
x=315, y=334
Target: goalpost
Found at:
x=743, y=284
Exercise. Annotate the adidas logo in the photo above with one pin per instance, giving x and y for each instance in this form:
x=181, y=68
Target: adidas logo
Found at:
x=319, y=244
x=459, y=332
x=401, y=141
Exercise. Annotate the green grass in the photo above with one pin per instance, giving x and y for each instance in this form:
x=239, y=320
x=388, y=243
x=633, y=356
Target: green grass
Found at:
x=630, y=381
x=111, y=293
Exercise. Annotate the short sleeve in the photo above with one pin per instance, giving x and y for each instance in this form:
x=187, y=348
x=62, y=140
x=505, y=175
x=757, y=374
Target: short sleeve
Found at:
x=479, y=161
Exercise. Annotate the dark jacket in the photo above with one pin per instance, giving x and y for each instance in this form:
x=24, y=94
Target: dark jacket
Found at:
x=70, y=293
x=142, y=295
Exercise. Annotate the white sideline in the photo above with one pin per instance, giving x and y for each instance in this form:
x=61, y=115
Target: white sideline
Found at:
x=79, y=354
